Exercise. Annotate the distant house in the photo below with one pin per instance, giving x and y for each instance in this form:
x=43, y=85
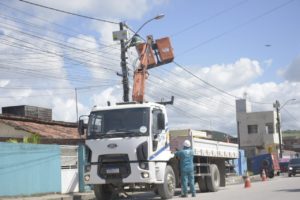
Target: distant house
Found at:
x=257, y=132
x=17, y=127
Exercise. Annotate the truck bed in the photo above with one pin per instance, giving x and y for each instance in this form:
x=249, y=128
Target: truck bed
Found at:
x=201, y=146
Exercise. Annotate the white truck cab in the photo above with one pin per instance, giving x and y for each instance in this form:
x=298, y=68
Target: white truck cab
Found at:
x=128, y=147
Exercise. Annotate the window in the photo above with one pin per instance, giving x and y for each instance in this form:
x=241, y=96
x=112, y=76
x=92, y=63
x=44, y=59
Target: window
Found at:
x=252, y=129
x=269, y=128
x=155, y=129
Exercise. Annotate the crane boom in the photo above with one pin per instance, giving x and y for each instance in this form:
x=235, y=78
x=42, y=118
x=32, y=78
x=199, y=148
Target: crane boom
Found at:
x=150, y=55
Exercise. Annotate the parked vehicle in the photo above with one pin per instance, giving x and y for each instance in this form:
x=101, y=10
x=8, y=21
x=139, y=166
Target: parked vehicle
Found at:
x=294, y=167
x=267, y=162
x=283, y=164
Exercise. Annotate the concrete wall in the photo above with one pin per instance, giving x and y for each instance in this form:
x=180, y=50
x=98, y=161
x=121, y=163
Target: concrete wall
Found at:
x=27, y=169
x=261, y=138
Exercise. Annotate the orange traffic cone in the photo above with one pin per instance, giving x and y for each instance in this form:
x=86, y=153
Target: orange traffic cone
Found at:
x=263, y=175
x=247, y=181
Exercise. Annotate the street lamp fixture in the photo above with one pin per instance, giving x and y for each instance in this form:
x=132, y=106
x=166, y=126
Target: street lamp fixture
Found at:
x=278, y=108
x=135, y=38
x=157, y=17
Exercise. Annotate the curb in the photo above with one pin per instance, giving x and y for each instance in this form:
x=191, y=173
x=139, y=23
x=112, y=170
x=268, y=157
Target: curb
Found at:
x=71, y=196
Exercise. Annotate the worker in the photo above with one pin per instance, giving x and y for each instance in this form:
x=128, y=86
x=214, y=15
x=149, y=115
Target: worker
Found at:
x=186, y=156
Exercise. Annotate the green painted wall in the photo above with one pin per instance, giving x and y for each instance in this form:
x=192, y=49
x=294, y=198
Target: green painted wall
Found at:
x=27, y=169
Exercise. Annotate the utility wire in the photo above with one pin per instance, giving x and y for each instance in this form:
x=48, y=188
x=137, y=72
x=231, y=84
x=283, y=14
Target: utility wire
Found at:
x=209, y=18
x=292, y=116
x=211, y=85
x=70, y=13
x=207, y=83
x=56, y=24
x=253, y=19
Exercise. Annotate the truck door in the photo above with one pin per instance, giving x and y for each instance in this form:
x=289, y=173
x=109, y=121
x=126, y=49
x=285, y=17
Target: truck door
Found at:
x=158, y=132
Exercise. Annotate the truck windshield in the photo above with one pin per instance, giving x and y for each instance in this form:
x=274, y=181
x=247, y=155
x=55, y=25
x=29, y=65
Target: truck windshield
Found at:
x=119, y=123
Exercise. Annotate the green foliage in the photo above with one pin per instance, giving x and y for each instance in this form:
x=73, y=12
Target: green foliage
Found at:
x=34, y=139
x=291, y=133
x=12, y=140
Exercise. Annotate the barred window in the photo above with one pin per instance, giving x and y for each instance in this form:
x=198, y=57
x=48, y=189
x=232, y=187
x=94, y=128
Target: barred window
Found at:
x=252, y=129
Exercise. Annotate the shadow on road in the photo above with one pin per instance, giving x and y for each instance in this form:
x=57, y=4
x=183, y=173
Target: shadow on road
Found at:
x=289, y=190
x=144, y=196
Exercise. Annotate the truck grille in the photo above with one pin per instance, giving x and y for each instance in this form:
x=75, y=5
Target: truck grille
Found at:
x=114, y=166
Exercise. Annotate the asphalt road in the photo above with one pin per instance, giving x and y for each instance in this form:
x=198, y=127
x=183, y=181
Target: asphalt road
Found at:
x=278, y=188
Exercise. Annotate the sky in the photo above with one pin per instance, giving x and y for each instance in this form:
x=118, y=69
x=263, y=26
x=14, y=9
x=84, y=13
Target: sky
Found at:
x=224, y=50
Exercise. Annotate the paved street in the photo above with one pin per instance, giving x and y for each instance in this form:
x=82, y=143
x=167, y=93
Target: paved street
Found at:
x=279, y=188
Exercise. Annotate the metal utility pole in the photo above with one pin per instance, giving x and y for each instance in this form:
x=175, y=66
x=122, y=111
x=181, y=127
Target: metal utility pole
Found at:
x=277, y=106
x=124, y=67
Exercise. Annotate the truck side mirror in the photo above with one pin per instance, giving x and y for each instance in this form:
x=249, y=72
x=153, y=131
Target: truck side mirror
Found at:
x=161, y=121
x=81, y=127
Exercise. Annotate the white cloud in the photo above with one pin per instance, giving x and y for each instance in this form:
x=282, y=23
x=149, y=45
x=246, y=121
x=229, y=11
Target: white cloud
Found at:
x=229, y=76
x=200, y=106
x=292, y=71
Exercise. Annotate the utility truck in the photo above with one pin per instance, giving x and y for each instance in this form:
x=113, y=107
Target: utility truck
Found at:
x=130, y=146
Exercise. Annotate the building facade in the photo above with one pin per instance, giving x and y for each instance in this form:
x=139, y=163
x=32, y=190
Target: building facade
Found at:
x=257, y=132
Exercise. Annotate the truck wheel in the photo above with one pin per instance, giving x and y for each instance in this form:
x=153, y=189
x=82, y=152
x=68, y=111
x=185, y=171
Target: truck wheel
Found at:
x=202, y=184
x=213, y=181
x=290, y=174
x=271, y=174
x=103, y=192
x=167, y=189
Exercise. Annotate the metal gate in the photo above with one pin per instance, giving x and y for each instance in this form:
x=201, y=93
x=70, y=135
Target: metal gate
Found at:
x=69, y=169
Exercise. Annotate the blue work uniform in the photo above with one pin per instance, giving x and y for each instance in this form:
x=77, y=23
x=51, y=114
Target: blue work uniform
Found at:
x=186, y=157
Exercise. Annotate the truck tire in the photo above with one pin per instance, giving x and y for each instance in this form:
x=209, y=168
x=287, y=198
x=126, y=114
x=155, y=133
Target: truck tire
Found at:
x=103, y=192
x=213, y=181
x=271, y=174
x=167, y=189
x=202, y=184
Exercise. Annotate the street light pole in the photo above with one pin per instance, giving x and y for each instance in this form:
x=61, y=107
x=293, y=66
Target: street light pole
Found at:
x=278, y=108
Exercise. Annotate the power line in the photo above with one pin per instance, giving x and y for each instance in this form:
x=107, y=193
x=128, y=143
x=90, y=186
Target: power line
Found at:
x=207, y=83
x=209, y=18
x=253, y=19
x=292, y=116
x=70, y=13
x=56, y=24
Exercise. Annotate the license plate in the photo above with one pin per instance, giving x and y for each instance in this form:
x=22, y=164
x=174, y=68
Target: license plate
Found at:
x=113, y=171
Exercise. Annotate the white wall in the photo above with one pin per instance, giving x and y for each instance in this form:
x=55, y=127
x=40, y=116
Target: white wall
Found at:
x=262, y=138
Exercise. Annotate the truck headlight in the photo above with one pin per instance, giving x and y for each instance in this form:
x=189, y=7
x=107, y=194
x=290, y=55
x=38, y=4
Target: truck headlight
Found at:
x=290, y=168
x=145, y=175
x=144, y=165
x=87, y=177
